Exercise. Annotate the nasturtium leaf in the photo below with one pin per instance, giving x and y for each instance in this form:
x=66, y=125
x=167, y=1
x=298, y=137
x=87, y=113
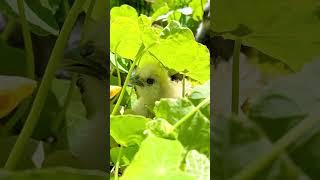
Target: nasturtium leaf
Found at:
x=198, y=94
x=123, y=11
x=162, y=128
x=194, y=133
x=127, y=154
x=129, y=32
x=172, y=109
x=119, y=62
x=37, y=14
x=171, y=47
x=160, y=11
x=278, y=29
x=52, y=5
x=197, y=9
x=12, y=60
x=157, y=159
x=125, y=33
x=128, y=129
x=13, y=90
x=174, y=16
x=198, y=165
x=53, y=174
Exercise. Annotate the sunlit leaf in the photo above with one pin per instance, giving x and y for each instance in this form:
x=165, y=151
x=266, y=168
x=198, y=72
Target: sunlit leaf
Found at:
x=128, y=129
x=158, y=159
x=285, y=30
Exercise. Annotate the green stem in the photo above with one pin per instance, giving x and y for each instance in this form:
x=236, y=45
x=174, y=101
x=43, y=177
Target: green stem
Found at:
x=116, y=172
x=235, y=77
x=10, y=26
x=67, y=101
x=191, y=113
x=86, y=20
x=21, y=110
x=117, y=67
x=183, y=85
x=27, y=40
x=56, y=56
x=278, y=148
x=141, y=51
x=118, y=71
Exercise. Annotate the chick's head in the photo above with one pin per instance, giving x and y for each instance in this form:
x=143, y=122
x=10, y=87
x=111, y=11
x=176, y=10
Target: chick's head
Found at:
x=151, y=82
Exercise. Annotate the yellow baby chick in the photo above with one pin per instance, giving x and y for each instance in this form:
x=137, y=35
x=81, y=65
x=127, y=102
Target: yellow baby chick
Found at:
x=152, y=83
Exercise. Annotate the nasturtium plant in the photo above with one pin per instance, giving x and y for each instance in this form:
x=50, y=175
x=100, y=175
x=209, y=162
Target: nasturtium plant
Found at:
x=157, y=158
x=198, y=165
x=277, y=28
x=129, y=31
x=128, y=129
x=156, y=146
x=49, y=116
x=40, y=14
x=16, y=65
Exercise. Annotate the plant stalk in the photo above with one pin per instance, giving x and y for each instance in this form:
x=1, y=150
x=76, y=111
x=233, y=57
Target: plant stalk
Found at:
x=27, y=41
x=183, y=85
x=56, y=56
x=116, y=172
x=141, y=51
x=10, y=26
x=235, y=77
x=21, y=110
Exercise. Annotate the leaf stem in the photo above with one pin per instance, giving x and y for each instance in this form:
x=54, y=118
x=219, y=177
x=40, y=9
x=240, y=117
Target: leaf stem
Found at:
x=21, y=110
x=116, y=173
x=117, y=67
x=235, y=77
x=278, y=148
x=11, y=24
x=118, y=71
x=191, y=113
x=183, y=85
x=27, y=40
x=56, y=56
x=141, y=51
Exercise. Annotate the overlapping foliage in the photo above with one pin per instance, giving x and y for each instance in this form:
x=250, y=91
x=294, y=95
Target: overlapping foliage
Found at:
x=155, y=148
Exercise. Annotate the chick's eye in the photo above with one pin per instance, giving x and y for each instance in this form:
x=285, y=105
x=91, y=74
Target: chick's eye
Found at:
x=150, y=81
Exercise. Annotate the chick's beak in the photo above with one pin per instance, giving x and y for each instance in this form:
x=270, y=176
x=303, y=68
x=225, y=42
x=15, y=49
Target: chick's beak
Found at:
x=136, y=80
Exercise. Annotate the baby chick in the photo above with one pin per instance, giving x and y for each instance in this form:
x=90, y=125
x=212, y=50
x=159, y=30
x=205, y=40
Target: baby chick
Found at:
x=152, y=83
